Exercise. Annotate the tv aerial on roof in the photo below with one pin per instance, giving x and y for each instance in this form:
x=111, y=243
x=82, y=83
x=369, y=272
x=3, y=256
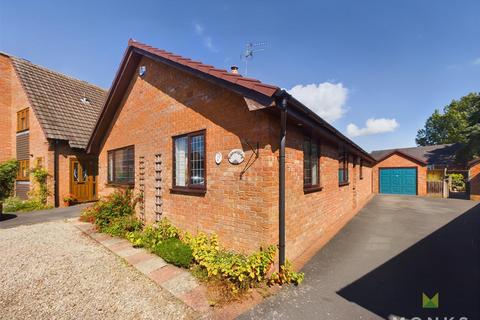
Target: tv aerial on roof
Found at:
x=251, y=49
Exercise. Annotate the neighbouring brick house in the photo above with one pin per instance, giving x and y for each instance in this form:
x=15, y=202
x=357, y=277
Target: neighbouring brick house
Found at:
x=46, y=121
x=474, y=179
x=202, y=146
x=406, y=170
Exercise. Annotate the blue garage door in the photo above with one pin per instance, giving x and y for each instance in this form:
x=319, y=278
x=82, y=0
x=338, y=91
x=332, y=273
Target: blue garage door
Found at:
x=398, y=181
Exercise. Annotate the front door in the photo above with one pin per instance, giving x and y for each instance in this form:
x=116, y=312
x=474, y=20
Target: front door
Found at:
x=83, y=184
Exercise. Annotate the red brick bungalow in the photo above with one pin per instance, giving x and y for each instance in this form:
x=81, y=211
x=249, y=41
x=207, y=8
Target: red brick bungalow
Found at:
x=203, y=147
x=46, y=121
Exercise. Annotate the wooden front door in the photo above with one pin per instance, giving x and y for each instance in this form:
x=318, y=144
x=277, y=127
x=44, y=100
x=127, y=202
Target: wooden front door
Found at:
x=83, y=184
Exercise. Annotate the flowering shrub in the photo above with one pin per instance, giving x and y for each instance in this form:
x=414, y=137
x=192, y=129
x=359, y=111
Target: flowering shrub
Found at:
x=115, y=214
x=69, y=198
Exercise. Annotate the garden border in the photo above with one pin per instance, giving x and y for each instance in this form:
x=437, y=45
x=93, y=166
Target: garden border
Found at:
x=179, y=282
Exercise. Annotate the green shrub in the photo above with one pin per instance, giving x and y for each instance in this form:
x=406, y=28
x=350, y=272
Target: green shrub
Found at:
x=153, y=234
x=8, y=173
x=240, y=271
x=40, y=192
x=120, y=226
x=286, y=275
x=174, y=251
x=14, y=204
x=202, y=252
x=458, y=181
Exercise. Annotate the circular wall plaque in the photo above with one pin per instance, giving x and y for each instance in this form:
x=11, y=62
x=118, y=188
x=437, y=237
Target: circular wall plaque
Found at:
x=218, y=157
x=236, y=156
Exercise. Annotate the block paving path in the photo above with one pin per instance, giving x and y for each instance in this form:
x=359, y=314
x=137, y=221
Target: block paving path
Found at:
x=177, y=281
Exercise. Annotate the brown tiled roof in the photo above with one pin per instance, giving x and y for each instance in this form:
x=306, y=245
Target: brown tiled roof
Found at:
x=249, y=83
x=56, y=100
x=251, y=89
x=442, y=155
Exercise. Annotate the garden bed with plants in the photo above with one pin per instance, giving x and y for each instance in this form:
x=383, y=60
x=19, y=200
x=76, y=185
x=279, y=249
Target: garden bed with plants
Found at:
x=37, y=197
x=230, y=274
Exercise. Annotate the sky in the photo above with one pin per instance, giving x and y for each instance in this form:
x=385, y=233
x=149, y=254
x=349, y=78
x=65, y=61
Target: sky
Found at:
x=375, y=69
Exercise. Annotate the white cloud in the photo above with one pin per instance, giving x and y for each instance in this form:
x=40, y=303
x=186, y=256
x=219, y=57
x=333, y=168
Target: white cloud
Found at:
x=372, y=126
x=206, y=39
x=326, y=99
x=477, y=61
x=198, y=28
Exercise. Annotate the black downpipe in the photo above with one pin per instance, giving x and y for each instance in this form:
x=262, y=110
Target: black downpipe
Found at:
x=55, y=173
x=281, y=184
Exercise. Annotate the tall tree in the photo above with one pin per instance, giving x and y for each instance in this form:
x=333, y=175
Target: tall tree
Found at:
x=472, y=132
x=455, y=124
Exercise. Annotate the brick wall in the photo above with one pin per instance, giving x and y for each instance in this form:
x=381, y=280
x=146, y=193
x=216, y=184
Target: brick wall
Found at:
x=311, y=216
x=399, y=161
x=234, y=207
x=475, y=182
x=241, y=209
x=6, y=73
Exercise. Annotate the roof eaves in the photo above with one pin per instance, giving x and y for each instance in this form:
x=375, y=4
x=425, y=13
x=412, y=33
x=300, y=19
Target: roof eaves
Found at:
x=322, y=123
x=402, y=153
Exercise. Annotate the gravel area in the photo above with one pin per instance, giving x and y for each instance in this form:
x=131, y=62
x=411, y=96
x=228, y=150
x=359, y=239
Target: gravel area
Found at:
x=52, y=271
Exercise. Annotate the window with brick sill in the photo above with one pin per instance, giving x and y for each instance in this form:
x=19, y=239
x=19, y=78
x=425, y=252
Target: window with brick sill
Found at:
x=121, y=166
x=311, y=165
x=189, y=166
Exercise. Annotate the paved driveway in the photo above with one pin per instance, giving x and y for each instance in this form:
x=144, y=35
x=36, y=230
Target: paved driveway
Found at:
x=379, y=265
x=10, y=220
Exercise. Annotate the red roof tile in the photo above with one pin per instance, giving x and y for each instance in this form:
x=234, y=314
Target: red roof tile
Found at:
x=252, y=84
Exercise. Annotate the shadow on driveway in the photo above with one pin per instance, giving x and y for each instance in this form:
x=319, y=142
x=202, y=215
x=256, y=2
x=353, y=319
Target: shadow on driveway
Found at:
x=7, y=216
x=446, y=262
x=380, y=263
x=11, y=220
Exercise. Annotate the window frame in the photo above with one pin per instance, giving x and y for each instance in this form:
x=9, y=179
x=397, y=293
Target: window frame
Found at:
x=39, y=162
x=113, y=182
x=26, y=166
x=26, y=113
x=307, y=188
x=189, y=188
x=343, y=159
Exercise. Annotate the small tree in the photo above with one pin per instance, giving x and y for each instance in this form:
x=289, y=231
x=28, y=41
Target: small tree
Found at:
x=8, y=173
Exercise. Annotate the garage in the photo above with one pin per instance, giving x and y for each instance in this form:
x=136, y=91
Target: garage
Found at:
x=398, y=181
